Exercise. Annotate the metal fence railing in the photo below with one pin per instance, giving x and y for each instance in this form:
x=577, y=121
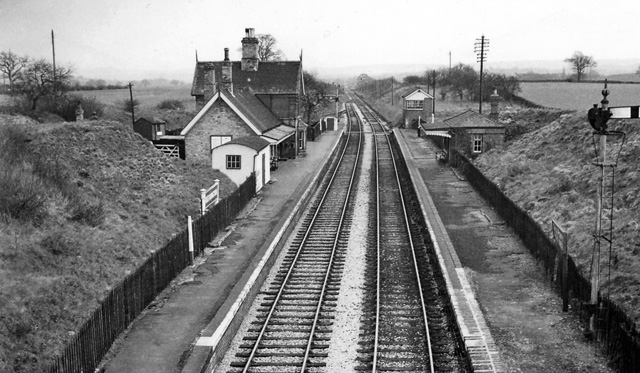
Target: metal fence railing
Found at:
x=132, y=295
x=616, y=332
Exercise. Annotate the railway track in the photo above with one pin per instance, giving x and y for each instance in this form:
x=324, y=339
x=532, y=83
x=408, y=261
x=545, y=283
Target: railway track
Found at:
x=403, y=321
x=292, y=330
x=406, y=326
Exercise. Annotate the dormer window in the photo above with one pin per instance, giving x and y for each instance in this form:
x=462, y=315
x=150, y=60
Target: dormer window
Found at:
x=413, y=104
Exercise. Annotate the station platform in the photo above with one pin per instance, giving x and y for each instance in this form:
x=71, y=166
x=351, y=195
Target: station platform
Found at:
x=484, y=355
x=174, y=333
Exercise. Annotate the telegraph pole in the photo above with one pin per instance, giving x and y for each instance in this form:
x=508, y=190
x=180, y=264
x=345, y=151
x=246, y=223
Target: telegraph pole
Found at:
x=53, y=47
x=481, y=48
x=434, y=94
x=133, y=118
x=391, y=91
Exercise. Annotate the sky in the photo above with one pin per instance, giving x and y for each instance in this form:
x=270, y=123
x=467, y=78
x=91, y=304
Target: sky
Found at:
x=136, y=39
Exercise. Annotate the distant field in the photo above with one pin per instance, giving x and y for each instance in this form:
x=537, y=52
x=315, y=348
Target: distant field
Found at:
x=579, y=96
x=148, y=97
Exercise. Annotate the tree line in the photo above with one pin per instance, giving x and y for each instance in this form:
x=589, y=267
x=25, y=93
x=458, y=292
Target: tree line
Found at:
x=459, y=82
x=34, y=79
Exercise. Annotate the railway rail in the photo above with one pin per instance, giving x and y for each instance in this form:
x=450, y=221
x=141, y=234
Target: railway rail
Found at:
x=405, y=322
x=292, y=330
x=406, y=327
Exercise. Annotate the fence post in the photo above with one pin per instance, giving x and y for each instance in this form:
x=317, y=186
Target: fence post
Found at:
x=190, y=229
x=565, y=272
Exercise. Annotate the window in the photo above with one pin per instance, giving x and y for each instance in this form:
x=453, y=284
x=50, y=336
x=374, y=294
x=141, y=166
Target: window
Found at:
x=219, y=140
x=477, y=143
x=233, y=162
x=413, y=104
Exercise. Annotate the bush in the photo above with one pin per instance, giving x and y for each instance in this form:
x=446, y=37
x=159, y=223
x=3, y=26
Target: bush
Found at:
x=66, y=107
x=59, y=243
x=129, y=106
x=23, y=195
x=92, y=214
x=171, y=105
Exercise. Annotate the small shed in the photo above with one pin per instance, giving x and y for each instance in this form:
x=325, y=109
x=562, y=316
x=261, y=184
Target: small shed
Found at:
x=241, y=156
x=332, y=123
x=151, y=129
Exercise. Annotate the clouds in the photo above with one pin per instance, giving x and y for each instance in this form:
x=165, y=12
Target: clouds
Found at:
x=162, y=35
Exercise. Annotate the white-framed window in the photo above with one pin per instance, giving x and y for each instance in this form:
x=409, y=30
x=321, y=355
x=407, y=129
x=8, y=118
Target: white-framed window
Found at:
x=413, y=104
x=477, y=143
x=233, y=162
x=219, y=140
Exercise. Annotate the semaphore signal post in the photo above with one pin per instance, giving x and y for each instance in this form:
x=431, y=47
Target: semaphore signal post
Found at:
x=607, y=145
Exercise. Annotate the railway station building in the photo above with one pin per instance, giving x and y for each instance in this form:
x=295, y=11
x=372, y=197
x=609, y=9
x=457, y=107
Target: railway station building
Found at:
x=246, y=98
x=468, y=130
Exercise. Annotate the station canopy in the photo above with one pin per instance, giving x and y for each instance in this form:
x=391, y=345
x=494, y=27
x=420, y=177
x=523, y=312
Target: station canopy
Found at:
x=437, y=133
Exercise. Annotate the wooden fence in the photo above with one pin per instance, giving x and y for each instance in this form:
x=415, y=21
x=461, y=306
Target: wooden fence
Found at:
x=616, y=332
x=84, y=352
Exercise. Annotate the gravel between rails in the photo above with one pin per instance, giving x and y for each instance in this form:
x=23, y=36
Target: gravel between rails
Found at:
x=225, y=364
x=342, y=351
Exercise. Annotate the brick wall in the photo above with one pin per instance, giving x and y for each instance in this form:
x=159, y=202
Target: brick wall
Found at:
x=490, y=136
x=219, y=120
x=409, y=116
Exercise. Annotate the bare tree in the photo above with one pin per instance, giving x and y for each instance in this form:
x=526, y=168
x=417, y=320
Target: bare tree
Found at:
x=37, y=81
x=317, y=94
x=11, y=64
x=267, y=49
x=579, y=63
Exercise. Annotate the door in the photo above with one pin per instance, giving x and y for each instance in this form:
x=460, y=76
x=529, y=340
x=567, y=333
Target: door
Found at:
x=264, y=165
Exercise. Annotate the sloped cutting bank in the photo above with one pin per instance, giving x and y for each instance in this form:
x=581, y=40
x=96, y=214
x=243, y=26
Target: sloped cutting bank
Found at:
x=616, y=331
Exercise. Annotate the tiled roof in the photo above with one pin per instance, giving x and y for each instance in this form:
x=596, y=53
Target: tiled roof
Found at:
x=254, y=142
x=470, y=118
x=272, y=77
x=253, y=109
x=420, y=91
x=153, y=120
x=247, y=106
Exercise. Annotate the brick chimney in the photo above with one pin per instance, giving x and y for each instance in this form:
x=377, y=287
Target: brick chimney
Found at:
x=227, y=71
x=209, y=83
x=495, y=102
x=250, y=57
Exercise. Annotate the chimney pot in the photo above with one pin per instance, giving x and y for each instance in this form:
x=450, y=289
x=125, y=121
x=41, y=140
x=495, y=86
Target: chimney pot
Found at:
x=495, y=102
x=226, y=54
x=250, y=58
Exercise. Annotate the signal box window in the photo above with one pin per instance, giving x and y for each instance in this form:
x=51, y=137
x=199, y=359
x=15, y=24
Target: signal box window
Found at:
x=414, y=104
x=233, y=162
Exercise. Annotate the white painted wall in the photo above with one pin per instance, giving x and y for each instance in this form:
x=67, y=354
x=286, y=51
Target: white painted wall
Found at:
x=251, y=161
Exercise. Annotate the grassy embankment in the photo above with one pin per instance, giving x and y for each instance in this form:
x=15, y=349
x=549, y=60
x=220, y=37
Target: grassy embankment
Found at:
x=82, y=204
x=546, y=169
